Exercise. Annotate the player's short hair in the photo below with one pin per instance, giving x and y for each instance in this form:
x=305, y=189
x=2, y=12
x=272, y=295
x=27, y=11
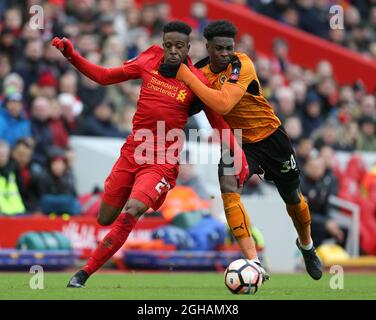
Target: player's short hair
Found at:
x=220, y=28
x=177, y=26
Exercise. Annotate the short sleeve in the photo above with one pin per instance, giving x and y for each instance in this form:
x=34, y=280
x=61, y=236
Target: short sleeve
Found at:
x=243, y=72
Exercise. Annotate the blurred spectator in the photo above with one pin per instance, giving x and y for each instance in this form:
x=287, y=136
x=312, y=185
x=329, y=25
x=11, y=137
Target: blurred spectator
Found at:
x=5, y=67
x=150, y=21
x=13, y=123
x=58, y=190
x=246, y=44
x=311, y=115
x=41, y=132
x=198, y=16
x=100, y=123
x=294, y=129
x=368, y=106
x=311, y=18
x=59, y=131
x=90, y=91
x=10, y=198
x=328, y=155
x=263, y=67
x=274, y=9
x=124, y=119
x=46, y=86
x=369, y=184
x=290, y=16
x=317, y=187
x=327, y=91
x=198, y=49
x=30, y=66
x=286, y=103
x=348, y=136
x=13, y=82
x=106, y=25
x=367, y=136
x=69, y=108
x=29, y=175
x=324, y=69
x=327, y=136
x=300, y=91
x=303, y=151
x=280, y=60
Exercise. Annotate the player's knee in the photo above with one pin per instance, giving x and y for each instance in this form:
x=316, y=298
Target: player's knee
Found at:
x=229, y=185
x=107, y=214
x=135, y=208
x=290, y=197
x=105, y=220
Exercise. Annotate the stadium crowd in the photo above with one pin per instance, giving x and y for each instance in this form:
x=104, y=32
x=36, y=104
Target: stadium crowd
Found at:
x=313, y=16
x=44, y=100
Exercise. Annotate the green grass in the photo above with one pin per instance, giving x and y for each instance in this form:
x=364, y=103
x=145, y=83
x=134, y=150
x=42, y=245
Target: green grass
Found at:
x=183, y=286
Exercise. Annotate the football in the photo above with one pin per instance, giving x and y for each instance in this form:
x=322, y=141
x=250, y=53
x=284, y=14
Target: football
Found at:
x=243, y=276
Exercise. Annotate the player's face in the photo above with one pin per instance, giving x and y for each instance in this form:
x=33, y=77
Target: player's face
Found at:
x=176, y=47
x=221, y=51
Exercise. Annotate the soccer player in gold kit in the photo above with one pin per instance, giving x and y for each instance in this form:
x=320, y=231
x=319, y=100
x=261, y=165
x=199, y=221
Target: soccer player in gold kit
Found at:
x=237, y=95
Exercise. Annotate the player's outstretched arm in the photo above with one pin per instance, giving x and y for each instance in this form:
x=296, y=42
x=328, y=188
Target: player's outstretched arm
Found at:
x=101, y=75
x=240, y=160
x=220, y=101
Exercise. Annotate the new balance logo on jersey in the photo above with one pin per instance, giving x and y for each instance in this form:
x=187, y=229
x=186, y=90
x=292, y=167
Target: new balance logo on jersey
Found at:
x=181, y=95
x=289, y=165
x=154, y=71
x=162, y=186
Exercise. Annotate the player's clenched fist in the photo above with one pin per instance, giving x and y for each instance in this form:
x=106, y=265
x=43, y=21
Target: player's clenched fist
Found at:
x=243, y=175
x=64, y=45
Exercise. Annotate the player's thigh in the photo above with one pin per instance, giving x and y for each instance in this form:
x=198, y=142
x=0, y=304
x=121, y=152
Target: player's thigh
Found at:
x=152, y=184
x=135, y=207
x=117, y=189
x=277, y=159
x=107, y=214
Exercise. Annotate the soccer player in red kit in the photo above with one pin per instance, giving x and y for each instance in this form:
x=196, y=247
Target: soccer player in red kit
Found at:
x=133, y=184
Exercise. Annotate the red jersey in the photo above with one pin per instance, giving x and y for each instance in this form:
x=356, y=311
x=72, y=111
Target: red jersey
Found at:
x=161, y=99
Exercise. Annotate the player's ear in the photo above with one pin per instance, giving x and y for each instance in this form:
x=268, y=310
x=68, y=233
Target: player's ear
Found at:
x=188, y=46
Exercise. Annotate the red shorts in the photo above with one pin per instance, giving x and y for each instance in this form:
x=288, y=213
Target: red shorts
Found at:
x=148, y=183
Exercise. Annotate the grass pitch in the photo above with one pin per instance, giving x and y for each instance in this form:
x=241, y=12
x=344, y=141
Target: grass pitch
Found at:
x=184, y=286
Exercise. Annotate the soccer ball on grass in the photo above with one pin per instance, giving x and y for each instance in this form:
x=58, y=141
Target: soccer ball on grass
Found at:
x=243, y=276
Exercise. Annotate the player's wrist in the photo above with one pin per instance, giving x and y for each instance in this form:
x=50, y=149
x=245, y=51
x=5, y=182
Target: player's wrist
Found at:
x=185, y=74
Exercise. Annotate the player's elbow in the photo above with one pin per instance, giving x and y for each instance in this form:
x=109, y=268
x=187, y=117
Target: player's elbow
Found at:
x=225, y=110
x=103, y=82
x=220, y=109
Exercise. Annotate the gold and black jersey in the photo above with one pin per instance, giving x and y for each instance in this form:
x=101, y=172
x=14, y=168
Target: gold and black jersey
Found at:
x=253, y=114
